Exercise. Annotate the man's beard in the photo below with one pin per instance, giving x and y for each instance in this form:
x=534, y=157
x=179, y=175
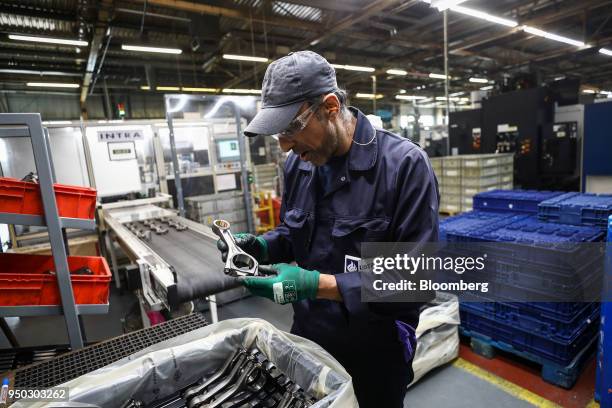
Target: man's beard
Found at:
x=330, y=146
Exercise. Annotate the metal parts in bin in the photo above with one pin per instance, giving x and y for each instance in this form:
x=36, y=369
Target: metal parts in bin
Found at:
x=246, y=378
x=164, y=371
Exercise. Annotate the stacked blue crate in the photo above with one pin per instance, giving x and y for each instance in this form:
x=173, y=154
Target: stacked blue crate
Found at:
x=577, y=209
x=551, y=333
x=466, y=222
x=530, y=266
x=524, y=201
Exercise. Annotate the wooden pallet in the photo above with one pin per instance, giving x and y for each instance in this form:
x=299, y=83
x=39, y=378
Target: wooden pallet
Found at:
x=552, y=372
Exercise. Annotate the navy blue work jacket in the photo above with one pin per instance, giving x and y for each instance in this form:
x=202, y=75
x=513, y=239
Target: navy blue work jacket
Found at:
x=385, y=191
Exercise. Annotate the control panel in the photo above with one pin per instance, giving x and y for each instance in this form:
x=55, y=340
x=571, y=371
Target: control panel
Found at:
x=230, y=166
x=509, y=141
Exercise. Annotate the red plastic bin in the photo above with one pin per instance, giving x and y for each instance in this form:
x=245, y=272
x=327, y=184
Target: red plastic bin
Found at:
x=276, y=203
x=23, y=197
x=26, y=280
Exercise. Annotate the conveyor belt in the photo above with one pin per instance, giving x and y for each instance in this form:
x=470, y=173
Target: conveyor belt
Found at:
x=68, y=366
x=197, y=263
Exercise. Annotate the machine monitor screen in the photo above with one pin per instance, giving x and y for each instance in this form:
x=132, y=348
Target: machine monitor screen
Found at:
x=228, y=150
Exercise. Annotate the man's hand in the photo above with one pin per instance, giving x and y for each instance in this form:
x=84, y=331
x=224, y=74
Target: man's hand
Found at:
x=257, y=247
x=292, y=284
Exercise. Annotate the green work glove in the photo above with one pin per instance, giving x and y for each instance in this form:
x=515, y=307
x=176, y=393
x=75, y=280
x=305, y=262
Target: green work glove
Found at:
x=257, y=247
x=292, y=284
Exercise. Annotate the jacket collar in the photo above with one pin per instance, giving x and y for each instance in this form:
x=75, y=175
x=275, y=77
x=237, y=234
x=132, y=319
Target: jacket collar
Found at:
x=363, y=152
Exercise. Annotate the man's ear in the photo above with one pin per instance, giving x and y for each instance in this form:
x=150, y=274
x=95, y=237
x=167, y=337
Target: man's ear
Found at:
x=332, y=104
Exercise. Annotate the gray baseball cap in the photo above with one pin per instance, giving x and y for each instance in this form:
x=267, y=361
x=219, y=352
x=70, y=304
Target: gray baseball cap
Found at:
x=289, y=81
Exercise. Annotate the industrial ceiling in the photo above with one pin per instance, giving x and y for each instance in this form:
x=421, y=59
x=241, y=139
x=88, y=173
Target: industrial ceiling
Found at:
x=547, y=39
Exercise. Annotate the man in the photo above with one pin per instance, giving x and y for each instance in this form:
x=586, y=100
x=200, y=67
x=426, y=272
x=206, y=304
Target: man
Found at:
x=345, y=183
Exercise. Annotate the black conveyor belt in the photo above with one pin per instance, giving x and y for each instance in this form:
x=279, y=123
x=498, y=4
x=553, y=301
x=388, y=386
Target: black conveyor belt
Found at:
x=197, y=263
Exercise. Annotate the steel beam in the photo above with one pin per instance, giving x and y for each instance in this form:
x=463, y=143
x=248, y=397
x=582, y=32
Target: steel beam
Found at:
x=94, y=48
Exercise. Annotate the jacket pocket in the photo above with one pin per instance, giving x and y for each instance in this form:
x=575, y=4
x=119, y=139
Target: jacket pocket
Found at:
x=361, y=229
x=349, y=234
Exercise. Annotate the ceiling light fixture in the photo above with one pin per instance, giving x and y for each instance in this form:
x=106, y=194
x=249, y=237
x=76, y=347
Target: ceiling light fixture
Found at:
x=242, y=91
x=410, y=97
x=47, y=40
x=479, y=80
x=190, y=89
x=551, y=36
x=354, y=68
x=52, y=85
x=158, y=50
x=145, y=88
x=369, y=96
x=486, y=88
x=589, y=91
x=442, y=5
x=605, y=51
x=484, y=16
x=167, y=88
x=437, y=76
x=39, y=73
x=244, y=58
x=457, y=94
x=397, y=72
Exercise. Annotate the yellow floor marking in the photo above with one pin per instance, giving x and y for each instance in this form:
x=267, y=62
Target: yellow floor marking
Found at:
x=512, y=389
x=592, y=404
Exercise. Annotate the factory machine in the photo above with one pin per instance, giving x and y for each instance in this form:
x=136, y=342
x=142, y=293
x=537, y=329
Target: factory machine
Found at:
x=544, y=137
x=133, y=165
x=173, y=260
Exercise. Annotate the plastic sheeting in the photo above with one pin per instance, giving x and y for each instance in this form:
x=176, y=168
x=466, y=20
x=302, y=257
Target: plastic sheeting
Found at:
x=164, y=368
x=437, y=335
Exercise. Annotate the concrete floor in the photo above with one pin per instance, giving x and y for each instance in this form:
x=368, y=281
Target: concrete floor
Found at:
x=446, y=387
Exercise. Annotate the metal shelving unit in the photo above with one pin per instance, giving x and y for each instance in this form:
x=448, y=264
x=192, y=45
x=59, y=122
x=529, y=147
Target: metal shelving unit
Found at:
x=29, y=125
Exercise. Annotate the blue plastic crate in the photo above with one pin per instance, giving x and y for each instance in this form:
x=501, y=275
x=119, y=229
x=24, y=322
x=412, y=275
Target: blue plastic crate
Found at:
x=543, y=259
x=577, y=209
x=466, y=222
x=561, y=311
x=524, y=316
x=528, y=230
x=522, y=340
x=524, y=201
x=538, y=283
x=534, y=244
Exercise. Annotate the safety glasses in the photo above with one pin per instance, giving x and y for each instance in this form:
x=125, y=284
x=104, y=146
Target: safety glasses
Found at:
x=298, y=124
